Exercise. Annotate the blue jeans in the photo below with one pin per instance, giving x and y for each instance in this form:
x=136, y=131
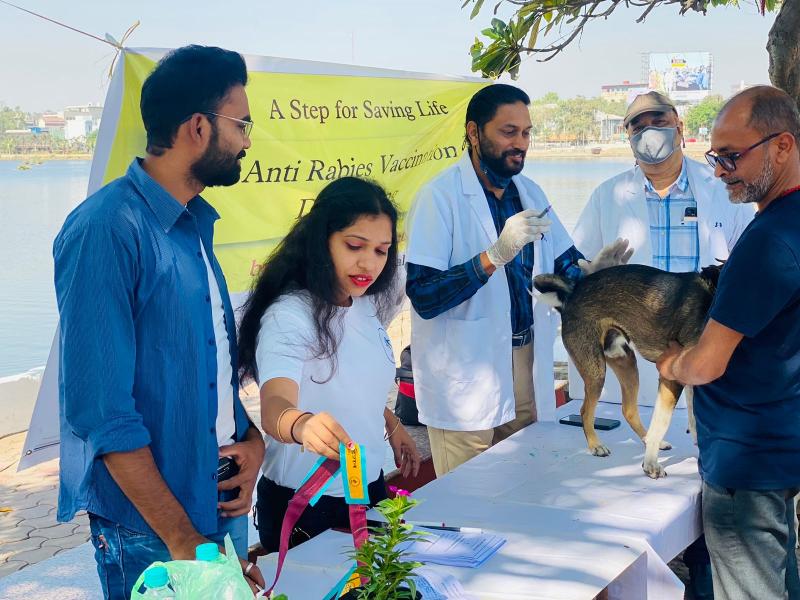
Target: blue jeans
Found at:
x=750, y=536
x=122, y=555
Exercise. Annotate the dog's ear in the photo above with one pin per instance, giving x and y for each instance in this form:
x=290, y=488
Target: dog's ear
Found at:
x=554, y=289
x=711, y=273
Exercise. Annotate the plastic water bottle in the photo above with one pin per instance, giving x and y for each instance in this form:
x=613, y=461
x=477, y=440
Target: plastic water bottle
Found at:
x=209, y=552
x=156, y=583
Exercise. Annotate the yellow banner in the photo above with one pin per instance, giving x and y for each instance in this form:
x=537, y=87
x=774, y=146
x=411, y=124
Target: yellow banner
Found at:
x=311, y=129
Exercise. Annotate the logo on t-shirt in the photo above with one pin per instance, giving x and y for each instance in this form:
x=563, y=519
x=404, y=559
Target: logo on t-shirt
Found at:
x=386, y=343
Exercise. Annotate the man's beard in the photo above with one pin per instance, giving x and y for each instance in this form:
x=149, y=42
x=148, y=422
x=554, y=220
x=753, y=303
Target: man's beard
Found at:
x=217, y=167
x=497, y=162
x=756, y=190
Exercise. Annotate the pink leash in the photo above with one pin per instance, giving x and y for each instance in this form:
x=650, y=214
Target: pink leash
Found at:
x=299, y=502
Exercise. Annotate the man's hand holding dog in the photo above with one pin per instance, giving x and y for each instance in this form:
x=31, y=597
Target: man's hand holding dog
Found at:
x=666, y=361
x=615, y=254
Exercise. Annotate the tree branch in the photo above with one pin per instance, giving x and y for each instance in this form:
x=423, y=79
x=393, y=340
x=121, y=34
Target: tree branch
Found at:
x=590, y=6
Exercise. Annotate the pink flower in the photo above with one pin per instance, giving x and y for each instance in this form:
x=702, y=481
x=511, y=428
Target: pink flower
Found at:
x=398, y=491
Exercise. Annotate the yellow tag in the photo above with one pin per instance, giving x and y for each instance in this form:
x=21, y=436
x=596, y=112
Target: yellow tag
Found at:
x=353, y=582
x=354, y=473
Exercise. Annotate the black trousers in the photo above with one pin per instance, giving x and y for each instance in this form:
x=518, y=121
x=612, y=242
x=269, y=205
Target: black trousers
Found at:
x=330, y=511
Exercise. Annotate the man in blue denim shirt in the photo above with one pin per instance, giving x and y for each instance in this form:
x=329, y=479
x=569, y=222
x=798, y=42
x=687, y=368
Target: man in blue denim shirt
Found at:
x=148, y=390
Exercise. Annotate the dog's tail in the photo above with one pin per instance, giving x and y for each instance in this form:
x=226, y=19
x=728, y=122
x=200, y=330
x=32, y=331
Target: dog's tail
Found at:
x=555, y=289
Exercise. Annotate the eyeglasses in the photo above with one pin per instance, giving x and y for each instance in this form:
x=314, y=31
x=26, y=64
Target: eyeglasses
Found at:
x=246, y=127
x=728, y=161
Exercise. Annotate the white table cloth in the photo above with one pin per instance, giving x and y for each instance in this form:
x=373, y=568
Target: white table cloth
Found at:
x=575, y=523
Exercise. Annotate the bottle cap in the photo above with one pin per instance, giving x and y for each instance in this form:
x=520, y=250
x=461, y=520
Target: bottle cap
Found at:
x=208, y=552
x=156, y=577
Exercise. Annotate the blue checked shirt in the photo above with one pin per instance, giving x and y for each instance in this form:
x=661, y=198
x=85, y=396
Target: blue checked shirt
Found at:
x=433, y=292
x=138, y=358
x=673, y=232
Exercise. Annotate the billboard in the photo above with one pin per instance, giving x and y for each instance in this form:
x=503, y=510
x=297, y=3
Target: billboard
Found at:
x=683, y=76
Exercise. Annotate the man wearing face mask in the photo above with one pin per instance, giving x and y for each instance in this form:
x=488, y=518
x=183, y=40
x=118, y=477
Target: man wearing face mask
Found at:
x=678, y=218
x=671, y=208
x=477, y=234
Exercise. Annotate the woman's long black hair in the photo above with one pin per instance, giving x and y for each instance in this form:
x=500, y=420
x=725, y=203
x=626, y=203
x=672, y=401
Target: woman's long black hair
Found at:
x=302, y=261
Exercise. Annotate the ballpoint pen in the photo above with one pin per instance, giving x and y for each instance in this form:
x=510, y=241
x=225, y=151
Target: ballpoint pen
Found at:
x=444, y=527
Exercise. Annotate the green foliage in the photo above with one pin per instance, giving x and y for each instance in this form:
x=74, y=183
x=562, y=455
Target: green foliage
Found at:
x=11, y=118
x=503, y=53
x=534, y=20
x=380, y=562
x=91, y=141
x=703, y=114
x=572, y=120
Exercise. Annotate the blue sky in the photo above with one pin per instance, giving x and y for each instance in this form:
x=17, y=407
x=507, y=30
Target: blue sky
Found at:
x=46, y=67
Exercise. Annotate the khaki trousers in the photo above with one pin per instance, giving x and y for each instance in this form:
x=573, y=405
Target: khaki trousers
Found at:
x=451, y=448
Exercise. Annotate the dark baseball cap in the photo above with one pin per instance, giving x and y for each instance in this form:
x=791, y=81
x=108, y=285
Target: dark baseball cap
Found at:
x=649, y=102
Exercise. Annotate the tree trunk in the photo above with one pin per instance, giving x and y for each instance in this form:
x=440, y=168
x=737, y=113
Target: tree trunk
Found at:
x=783, y=47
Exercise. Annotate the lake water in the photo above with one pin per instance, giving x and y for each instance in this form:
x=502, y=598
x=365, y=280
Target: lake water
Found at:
x=35, y=202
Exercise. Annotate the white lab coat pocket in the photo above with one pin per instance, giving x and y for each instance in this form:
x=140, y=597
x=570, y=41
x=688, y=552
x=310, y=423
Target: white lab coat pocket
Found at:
x=468, y=345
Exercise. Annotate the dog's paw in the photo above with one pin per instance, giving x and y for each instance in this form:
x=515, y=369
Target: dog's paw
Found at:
x=664, y=445
x=600, y=450
x=653, y=470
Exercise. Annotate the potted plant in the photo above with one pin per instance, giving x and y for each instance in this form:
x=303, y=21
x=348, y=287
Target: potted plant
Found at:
x=384, y=573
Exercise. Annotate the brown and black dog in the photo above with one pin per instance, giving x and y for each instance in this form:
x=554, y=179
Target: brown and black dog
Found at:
x=606, y=314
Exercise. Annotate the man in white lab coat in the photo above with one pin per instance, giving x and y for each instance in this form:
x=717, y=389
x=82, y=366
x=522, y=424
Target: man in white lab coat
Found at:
x=678, y=218
x=477, y=234
x=673, y=211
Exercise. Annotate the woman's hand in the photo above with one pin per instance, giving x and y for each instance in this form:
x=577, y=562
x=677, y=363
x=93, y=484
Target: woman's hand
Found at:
x=406, y=455
x=320, y=433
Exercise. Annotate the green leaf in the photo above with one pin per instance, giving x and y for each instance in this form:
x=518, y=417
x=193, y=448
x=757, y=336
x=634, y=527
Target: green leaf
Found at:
x=534, y=32
x=529, y=8
x=499, y=26
x=476, y=9
x=476, y=49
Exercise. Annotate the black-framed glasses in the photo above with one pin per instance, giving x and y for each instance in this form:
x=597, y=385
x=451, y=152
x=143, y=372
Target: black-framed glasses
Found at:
x=728, y=161
x=245, y=126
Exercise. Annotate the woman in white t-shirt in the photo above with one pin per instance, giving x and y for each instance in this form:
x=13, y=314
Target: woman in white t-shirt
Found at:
x=312, y=335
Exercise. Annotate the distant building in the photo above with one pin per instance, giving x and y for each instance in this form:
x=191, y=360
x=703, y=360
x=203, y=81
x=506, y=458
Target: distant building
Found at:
x=80, y=121
x=620, y=91
x=611, y=128
x=52, y=123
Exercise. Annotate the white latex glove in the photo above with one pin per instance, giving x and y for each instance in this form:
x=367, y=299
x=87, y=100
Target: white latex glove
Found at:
x=523, y=228
x=616, y=253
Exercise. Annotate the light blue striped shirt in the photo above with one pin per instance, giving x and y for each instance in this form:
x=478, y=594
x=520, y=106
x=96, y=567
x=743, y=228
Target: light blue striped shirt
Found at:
x=673, y=226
